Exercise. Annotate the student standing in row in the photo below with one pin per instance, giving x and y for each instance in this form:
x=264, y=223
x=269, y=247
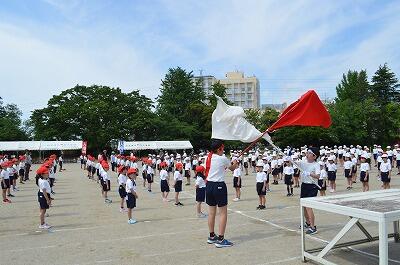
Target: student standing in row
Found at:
x=122, y=179
x=200, y=190
x=164, y=181
x=364, y=173
x=5, y=181
x=322, y=179
x=237, y=183
x=43, y=195
x=261, y=185
x=288, y=173
x=385, y=169
x=348, y=165
x=331, y=167
x=178, y=183
x=132, y=195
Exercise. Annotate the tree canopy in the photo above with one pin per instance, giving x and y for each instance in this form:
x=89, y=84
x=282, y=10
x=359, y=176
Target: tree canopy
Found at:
x=11, y=128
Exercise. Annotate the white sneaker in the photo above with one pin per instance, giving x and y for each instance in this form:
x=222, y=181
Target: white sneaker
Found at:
x=121, y=210
x=44, y=226
x=236, y=200
x=331, y=191
x=132, y=221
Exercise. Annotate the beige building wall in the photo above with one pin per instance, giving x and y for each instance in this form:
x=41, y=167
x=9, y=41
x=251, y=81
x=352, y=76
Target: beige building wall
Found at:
x=242, y=91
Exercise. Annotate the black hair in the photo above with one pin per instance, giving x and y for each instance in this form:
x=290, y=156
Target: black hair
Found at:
x=315, y=150
x=200, y=174
x=216, y=144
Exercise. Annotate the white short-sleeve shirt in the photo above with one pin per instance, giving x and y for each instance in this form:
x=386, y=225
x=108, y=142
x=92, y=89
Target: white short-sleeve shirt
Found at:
x=217, y=168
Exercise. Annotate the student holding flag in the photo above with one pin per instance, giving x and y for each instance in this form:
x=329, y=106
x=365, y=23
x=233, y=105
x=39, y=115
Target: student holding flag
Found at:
x=216, y=192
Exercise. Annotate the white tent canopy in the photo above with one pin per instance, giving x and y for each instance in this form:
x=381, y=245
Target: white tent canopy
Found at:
x=156, y=145
x=40, y=145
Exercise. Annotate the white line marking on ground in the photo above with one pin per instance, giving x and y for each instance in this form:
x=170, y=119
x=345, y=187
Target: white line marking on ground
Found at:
x=25, y=249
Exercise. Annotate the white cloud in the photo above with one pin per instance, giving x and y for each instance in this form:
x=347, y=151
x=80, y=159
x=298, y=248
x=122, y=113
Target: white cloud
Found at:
x=35, y=69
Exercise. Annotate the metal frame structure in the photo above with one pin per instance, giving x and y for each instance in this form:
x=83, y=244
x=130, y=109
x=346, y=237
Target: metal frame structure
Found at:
x=378, y=206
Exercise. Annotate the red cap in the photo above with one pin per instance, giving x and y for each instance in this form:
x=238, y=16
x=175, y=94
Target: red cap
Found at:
x=120, y=169
x=132, y=170
x=163, y=164
x=149, y=161
x=42, y=170
x=200, y=169
x=178, y=166
x=105, y=165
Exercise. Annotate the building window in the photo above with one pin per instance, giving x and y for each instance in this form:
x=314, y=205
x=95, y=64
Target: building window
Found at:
x=249, y=96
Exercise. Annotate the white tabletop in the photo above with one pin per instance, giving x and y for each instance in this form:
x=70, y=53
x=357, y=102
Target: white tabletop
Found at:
x=380, y=205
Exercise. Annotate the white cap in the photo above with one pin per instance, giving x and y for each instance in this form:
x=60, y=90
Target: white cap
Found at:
x=321, y=163
x=384, y=155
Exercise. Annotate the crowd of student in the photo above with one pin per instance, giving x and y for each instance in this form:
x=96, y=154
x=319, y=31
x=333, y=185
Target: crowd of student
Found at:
x=314, y=168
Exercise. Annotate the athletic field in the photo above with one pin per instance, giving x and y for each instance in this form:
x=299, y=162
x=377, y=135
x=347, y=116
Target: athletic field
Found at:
x=88, y=231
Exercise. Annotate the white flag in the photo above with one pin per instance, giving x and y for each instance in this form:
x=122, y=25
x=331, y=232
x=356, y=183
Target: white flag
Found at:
x=229, y=123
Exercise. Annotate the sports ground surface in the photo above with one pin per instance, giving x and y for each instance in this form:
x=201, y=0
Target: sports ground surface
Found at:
x=88, y=231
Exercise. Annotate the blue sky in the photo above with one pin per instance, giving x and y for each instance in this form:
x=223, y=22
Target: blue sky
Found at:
x=291, y=46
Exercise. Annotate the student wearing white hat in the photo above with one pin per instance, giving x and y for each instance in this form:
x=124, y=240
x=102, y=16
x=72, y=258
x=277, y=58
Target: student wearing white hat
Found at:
x=398, y=160
x=364, y=173
x=288, y=171
x=296, y=170
x=267, y=170
x=348, y=165
x=237, y=181
x=261, y=185
x=385, y=169
x=274, y=168
x=322, y=179
x=331, y=166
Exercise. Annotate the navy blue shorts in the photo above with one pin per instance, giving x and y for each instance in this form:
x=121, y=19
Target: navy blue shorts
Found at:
x=237, y=184
x=347, y=173
x=178, y=186
x=322, y=184
x=288, y=180
x=200, y=194
x=130, y=201
x=364, y=177
x=216, y=194
x=150, y=178
x=122, y=191
x=385, y=177
x=397, y=163
x=308, y=190
x=106, y=185
x=5, y=184
x=42, y=200
x=259, y=188
x=164, y=186
x=331, y=175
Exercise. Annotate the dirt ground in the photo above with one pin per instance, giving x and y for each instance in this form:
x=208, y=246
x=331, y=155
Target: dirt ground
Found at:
x=88, y=231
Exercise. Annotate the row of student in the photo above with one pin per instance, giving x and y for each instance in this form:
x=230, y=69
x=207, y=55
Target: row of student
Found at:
x=148, y=178
x=10, y=171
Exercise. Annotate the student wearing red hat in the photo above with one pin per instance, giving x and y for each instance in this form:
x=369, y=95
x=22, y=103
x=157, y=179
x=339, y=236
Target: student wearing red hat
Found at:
x=132, y=195
x=5, y=181
x=164, y=181
x=105, y=180
x=200, y=190
x=122, y=183
x=178, y=183
x=43, y=195
x=150, y=174
x=14, y=174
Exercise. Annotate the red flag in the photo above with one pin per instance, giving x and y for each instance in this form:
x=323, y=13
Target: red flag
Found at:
x=307, y=111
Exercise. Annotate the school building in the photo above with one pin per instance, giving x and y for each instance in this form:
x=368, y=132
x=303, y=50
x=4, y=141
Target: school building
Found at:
x=242, y=91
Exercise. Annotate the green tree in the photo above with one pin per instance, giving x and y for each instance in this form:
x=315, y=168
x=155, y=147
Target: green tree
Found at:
x=97, y=114
x=384, y=90
x=178, y=92
x=220, y=91
x=11, y=123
